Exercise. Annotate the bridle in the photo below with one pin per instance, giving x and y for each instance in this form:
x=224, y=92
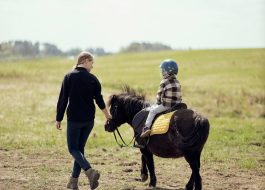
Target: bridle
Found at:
x=123, y=143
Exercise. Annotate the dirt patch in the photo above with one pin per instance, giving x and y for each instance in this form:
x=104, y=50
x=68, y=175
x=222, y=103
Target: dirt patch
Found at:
x=119, y=170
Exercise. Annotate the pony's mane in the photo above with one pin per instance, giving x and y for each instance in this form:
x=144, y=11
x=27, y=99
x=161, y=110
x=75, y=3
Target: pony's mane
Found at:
x=128, y=95
x=132, y=93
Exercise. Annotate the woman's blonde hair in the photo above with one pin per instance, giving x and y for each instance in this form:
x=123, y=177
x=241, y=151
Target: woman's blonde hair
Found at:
x=83, y=56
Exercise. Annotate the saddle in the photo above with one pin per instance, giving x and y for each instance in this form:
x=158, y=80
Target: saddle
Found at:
x=160, y=123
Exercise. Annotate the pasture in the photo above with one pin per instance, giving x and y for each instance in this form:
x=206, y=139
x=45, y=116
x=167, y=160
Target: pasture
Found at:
x=227, y=86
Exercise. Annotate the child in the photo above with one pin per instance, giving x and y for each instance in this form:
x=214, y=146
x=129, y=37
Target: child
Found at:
x=168, y=95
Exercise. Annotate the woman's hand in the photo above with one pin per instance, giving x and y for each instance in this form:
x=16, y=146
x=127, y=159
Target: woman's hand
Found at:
x=107, y=114
x=58, y=125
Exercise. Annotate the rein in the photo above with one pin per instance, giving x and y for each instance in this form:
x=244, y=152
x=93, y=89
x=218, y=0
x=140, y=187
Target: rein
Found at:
x=124, y=144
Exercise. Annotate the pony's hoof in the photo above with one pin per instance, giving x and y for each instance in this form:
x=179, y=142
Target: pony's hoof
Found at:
x=188, y=188
x=144, y=177
x=152, y=186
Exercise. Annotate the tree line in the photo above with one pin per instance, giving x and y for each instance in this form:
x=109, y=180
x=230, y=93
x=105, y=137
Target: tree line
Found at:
x=20, y=49
x=145, y=46
x=29, y=49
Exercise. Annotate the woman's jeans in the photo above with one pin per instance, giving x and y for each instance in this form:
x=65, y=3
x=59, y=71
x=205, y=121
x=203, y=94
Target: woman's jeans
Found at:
x=77, y=135
x=154, y=110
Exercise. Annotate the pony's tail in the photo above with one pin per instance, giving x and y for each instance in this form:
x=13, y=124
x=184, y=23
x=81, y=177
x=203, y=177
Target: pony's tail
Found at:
x=199, y=135
x=203, y=128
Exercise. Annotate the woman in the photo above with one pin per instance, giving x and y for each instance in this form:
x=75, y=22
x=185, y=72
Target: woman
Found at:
x=79, y=90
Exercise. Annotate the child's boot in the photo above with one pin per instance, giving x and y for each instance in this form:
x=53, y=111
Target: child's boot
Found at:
x=146, y=132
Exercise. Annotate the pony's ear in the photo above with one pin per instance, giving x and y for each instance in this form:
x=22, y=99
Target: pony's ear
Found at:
x=112, y=99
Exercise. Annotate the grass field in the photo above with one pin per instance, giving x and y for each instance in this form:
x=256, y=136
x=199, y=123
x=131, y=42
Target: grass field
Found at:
x=227, y=86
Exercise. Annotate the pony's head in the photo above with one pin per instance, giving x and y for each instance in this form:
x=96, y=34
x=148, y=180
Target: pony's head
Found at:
x=122, y=107
x=117, y=113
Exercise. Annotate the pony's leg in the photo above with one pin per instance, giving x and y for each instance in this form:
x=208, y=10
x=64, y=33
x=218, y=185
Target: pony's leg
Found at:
x=194, y=161
x=190, y=184
x=150, y=165
x=144, y=172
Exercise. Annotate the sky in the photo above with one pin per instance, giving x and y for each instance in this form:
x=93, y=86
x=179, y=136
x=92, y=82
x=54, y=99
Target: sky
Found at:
x=112, y=24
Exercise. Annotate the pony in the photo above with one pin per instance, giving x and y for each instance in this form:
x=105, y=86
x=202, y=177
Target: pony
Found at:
x=188, y=132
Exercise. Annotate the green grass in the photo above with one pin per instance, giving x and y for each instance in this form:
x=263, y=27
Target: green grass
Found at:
x=227, y=86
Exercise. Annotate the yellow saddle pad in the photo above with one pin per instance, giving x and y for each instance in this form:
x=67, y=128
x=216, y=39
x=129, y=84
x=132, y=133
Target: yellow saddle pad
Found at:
x=161, y=124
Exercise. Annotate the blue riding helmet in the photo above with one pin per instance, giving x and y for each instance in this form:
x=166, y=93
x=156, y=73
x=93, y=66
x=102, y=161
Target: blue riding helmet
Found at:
x=169, y=67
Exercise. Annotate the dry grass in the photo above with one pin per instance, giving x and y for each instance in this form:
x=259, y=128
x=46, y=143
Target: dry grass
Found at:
x=225, y=85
